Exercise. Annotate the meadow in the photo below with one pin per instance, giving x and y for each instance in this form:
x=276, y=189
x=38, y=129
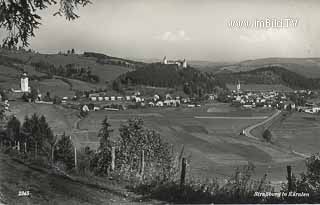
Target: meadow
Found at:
x=215, y=145
x=299, y=131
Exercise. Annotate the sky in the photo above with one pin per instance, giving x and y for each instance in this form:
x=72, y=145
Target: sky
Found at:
x=190, y=29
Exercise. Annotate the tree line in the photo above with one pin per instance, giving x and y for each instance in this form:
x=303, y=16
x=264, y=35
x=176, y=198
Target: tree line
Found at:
x=68, y=71
x=271, y=75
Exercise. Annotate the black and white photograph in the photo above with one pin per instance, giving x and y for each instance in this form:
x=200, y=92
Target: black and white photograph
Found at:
x=159, y=102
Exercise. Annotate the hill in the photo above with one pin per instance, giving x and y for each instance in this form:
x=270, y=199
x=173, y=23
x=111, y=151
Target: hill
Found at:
x=308, y=67
x=270, y=75
x=83, y=72
x=193, y=82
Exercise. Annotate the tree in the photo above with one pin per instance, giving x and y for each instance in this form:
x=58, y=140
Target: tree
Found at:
x=13, y=129
x=102, y=160
x=157, y=154
x=64, y=151
x=72, y=51
x=2, y=114
x=267, y=135
x=21, y=18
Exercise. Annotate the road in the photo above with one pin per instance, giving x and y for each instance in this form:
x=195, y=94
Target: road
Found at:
x=47, y=188
x=247, y=132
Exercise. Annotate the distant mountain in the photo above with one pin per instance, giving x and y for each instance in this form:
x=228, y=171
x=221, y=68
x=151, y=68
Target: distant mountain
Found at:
x=308, y=67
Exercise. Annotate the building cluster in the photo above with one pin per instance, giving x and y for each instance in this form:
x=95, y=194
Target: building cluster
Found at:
x=261, y=99
x=154, y=101
x=273, y=99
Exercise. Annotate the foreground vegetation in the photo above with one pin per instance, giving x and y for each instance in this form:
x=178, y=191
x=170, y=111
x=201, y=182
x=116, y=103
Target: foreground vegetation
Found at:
x=147, y=165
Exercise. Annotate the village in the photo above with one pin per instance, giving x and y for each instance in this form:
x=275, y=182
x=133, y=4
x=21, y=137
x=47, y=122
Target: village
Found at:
x=96, y=101
x=274, y=99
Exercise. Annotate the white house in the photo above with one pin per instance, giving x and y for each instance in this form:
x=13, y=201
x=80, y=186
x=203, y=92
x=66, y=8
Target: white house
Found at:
x=113, y=98
x=159, y=104
x=93, y=98
x=85, y=108
x=106, y=98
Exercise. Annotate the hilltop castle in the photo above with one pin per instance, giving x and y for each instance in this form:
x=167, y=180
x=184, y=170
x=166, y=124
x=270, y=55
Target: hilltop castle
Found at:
x=180, y=63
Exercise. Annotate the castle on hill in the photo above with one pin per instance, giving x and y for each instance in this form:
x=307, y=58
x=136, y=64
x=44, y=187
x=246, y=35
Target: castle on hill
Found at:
x=179, y=63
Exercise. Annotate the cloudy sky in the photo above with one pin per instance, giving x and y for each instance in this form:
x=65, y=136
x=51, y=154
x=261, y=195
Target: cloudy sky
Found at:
x=191, y=29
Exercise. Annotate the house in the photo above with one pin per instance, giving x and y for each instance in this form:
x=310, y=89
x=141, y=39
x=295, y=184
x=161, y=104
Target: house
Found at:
x=168, y=97
x=151, y=104
x=137, y=99
x=100, y=98
x=119, y=98
x=128, y=98
x=106, y=98
x=112, y=98
x=85, y=108
x=156, y=97
x=93, y=98
x=96, y=108
x=167, y=102
x=159, y=104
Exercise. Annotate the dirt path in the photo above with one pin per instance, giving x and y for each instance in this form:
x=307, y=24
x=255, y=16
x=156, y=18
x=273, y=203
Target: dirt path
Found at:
x=46, y=188
x=247, y=132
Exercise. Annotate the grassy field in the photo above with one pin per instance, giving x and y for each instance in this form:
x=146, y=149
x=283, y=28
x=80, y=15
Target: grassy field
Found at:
x=215, y=146
x=60, y=119
x=299, y=131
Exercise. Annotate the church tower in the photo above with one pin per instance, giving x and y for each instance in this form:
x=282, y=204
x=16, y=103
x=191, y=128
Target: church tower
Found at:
x=238, y=86
x=184, y=63
x=165, y=61
x=25, y=83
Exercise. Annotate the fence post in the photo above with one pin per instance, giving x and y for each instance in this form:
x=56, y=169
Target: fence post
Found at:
x=289, y=177
x=183, y=172
x=36, y=150
x=18, y=146
x=75, y=157
x=25, y=147
x=113, y=157
x=142, y=164
x=52, y=153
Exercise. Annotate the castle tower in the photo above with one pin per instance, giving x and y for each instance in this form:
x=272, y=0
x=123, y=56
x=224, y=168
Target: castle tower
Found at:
x=184, y=63
x=24, y=83
x=165, y=61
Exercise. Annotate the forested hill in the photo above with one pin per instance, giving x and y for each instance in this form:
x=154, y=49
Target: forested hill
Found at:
x=189, y=79
x=271, y=75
